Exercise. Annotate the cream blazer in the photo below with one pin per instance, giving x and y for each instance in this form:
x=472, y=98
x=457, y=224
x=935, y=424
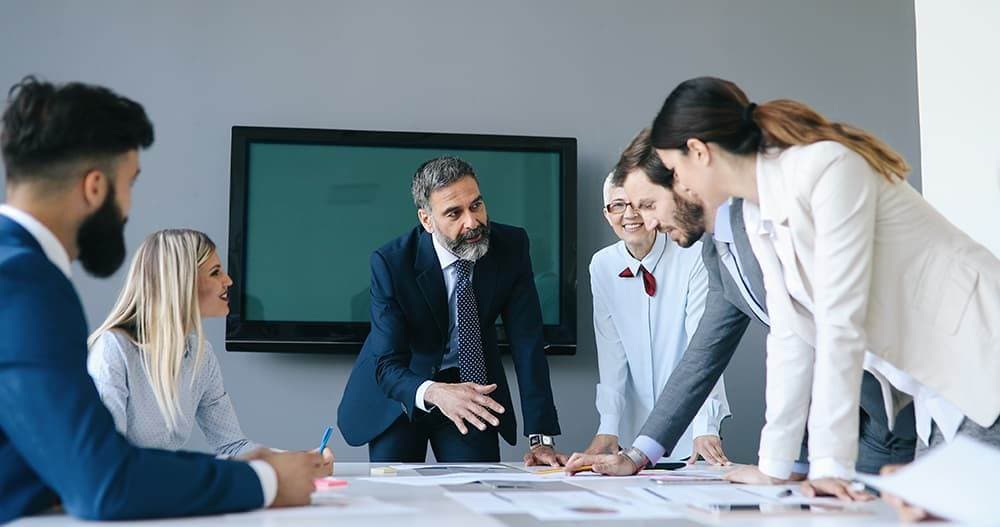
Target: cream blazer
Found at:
x=852, y=264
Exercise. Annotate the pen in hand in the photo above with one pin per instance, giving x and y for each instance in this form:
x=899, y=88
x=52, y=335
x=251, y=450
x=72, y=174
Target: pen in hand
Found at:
x=326, y=439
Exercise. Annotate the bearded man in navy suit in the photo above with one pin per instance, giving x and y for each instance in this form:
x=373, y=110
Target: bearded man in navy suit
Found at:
x=430, y=370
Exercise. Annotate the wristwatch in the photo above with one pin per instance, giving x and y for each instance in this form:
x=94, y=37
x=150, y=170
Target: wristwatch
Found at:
x=636, y=457
x=537, y=440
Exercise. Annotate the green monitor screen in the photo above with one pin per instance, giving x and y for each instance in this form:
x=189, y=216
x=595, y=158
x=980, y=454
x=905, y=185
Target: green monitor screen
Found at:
x=308, y=207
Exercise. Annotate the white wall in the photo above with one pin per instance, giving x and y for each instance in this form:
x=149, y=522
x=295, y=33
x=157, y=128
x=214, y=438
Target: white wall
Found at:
x=959, y=100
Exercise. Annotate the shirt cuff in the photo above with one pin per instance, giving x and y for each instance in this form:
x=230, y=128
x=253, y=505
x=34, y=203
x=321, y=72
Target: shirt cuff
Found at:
x=420, y=403
x=268, y=480
x=800, y=467
x=649, y=446
x=609, y=425
x=829, y=468
x=776, y=468
x=704, y=425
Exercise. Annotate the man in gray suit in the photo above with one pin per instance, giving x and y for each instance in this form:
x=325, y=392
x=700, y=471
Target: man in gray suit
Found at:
x=735, y=296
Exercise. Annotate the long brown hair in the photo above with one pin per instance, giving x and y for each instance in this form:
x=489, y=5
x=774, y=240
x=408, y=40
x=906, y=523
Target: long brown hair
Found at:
x=717, y=111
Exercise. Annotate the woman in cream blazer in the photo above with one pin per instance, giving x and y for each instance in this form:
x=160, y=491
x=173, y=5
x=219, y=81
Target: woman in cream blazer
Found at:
x=860, y=271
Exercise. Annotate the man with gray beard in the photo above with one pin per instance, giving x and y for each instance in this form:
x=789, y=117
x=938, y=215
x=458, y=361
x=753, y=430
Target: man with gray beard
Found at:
x=430, y=370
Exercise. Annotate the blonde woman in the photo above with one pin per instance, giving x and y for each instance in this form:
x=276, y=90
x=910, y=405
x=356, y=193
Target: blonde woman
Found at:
x=151, y=364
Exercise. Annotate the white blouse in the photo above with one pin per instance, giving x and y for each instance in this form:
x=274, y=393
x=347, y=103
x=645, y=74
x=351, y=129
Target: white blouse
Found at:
x=115, y=365
x=640, y=339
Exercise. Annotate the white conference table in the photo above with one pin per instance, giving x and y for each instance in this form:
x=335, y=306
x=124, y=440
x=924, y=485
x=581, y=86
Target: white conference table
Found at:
x=432, y=508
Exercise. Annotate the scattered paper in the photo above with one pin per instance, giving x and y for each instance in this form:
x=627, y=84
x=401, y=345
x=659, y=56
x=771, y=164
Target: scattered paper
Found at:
x=584, y=505
x=465, y=477
x=691, y=474
x=735, y=494
x=450, y=479
x=472, y=467
x=684, y=495
x=484, y=502
x=331, y=506
x=956, y=481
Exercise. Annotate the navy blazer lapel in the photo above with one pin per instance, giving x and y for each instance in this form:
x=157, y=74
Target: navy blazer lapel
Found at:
x=751, y=268
x=430, y=279
x=484, y=281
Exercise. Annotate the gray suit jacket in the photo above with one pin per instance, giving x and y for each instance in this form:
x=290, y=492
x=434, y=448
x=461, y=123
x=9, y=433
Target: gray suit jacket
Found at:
x=713, y=343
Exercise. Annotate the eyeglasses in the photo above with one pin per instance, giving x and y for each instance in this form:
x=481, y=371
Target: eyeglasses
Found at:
x=618, y=207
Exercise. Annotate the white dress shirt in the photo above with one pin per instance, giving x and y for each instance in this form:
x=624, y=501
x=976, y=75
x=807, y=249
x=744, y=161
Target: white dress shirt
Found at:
x=814, y=317
x=57, y=254
x=640, y=339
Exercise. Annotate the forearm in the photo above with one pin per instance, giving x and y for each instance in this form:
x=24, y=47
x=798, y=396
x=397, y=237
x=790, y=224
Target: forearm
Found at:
x=96, y=472
x=693, y=378
x=789, y=366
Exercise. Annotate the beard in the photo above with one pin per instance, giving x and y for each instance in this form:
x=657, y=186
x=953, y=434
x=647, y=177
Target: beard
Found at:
x=101, y=238
x=690, y=219
x=465, y=249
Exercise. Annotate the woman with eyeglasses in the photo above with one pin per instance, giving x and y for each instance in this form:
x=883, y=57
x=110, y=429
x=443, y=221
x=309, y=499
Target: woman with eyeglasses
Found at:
x=649, y=296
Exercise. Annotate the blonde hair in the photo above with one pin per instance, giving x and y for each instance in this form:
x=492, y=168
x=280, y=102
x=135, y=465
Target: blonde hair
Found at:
x=158, y=308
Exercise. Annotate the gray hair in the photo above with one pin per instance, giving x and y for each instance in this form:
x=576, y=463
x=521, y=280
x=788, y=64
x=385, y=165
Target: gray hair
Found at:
x=437, y=174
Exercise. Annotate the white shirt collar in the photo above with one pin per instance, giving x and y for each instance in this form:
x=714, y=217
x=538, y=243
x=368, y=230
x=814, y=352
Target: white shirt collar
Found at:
x=650, y=260
x=445, y=256
x=723, y=223
x=51, y=246
x=770, y=191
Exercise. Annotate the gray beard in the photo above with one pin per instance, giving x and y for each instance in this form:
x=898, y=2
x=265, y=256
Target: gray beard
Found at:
x=472, y=251
x=466, y=251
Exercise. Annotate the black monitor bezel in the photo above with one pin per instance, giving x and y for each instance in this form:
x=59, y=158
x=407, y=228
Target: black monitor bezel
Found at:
x=347, y=337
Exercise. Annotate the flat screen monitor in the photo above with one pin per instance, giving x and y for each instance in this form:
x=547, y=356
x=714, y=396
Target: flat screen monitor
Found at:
x=308, y=207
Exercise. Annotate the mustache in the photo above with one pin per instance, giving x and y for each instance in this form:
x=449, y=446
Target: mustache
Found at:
x=481, y=231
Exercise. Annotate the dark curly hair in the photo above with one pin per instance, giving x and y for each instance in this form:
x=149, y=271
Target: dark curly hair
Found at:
x=46, y=124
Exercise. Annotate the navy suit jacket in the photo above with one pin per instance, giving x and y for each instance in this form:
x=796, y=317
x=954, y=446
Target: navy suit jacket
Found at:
x=409, y=335
x=58, y=442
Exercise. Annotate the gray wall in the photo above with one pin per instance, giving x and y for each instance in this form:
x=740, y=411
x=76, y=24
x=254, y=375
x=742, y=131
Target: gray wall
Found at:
x=592, y=70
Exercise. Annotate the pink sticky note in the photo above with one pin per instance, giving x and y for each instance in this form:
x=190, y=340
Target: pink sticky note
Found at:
x=328, y=483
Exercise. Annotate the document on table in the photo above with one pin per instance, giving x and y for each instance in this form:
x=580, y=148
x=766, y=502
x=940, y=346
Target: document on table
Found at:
x=455, y=479
x=472, y=467
x=727, y=495
x=684, y=495
x=956, y=481
x=461, y=478
x=563, y=505
x=484, y=502
x=692, y=475
x=331, y=506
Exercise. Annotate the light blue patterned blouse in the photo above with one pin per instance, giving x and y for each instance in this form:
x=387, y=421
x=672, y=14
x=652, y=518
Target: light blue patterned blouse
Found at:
x=116, y=367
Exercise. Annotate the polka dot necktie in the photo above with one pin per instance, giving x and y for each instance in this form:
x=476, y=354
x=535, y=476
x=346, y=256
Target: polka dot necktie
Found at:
x=471, y=365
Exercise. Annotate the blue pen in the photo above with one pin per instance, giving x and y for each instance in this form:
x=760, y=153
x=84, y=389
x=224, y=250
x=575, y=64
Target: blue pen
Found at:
x=326, y=439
